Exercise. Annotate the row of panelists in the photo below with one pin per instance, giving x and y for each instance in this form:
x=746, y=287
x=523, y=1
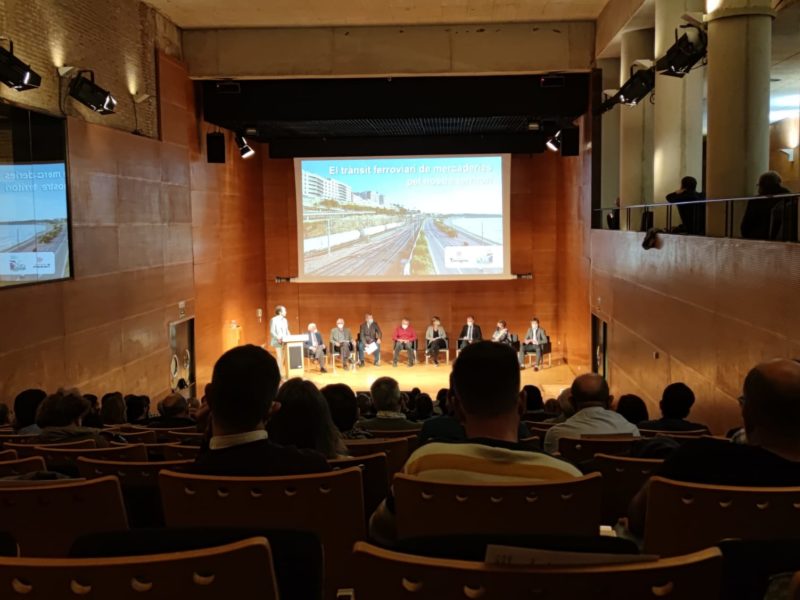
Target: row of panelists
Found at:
x=404, y=339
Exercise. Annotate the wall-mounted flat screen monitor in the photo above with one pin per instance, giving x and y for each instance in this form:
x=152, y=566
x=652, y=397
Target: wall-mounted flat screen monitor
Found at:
x=34, y=204
x=403, y=218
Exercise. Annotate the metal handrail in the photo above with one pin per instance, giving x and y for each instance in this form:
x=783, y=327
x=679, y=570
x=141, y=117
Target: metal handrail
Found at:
x=711, y=201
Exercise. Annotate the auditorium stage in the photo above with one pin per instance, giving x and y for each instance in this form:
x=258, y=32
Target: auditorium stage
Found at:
x=430, y=379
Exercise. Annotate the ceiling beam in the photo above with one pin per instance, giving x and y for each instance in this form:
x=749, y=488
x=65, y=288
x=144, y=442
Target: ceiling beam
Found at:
x=612, y=20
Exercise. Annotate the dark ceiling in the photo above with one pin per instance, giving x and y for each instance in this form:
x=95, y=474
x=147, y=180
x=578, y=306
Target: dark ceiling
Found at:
x=407, y=115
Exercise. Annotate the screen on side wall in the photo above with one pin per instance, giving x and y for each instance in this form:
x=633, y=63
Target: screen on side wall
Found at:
x=403, y=218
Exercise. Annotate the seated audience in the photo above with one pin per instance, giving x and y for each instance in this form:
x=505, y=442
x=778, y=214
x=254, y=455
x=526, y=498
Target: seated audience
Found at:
x=138, y=408
x=25, y=406
x=423, y=409
x=60, y=418
x=552, y=408
x=4, y=412
x=113, y=410
x=591, y=398
x=344, y=411
x=366, y=407
x=488, y=402
x=386, y=396
x=303, y=420
x=441, y=402
x=632, y=408
x=93, y=419
x=676, y=403
x=534, y=404
x=243, y=386
x=566, y=410
x=173, y=413
x=769, y=458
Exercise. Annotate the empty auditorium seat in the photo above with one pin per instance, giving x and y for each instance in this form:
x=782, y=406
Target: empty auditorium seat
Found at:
x=623, y=477
x=396, y=450
x=374, y=477
x=11, y=468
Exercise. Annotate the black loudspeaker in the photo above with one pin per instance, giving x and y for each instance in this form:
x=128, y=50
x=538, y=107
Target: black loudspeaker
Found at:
x=215, y=147
x=570, y=141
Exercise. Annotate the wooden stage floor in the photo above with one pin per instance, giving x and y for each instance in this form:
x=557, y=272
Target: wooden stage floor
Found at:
x=430, y=379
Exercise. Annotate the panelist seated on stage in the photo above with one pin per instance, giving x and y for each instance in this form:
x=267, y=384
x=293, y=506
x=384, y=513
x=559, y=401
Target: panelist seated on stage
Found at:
x=470, y=333
x=435, y=339
x=535, y=340
x=404, y=338
x=369, y=340
x=501, y=335
x=342, y=342
x=386, y=395
x=315, y=346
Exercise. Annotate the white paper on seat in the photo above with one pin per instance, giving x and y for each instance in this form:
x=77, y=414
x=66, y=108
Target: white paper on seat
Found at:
x=370, y=348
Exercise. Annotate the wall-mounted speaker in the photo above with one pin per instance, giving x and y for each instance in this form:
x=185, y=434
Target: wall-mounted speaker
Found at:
x=215, y=147
x=570, y=141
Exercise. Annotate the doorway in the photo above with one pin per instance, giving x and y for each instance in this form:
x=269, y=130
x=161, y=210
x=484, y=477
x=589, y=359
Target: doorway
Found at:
x=181, y=367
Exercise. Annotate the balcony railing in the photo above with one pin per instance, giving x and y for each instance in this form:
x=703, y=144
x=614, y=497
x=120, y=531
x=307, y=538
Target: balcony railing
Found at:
x=751, y=217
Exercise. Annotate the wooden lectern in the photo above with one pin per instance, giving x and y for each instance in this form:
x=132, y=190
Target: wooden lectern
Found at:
x=295, y=351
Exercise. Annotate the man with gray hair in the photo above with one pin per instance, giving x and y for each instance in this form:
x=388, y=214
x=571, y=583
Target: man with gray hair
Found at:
x=386, y=396
x=278, y=330
x=315, y=347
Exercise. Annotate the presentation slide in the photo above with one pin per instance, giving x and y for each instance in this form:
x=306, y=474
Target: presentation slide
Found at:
x=415, y=217
x=34, y=231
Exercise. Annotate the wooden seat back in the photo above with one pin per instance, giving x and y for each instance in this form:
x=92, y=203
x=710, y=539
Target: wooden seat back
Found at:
x=682, y=517
x=568, y=507
x=394, y=576
x=12, y=468
x=46, y=519
x=396, y=450
x=623, y=477
x=26, y=450
x=581, y=449
x=374, y=477
x=328, y=504
x=239, y=570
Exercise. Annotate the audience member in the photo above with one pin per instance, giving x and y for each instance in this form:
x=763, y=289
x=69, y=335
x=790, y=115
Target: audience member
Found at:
x=441, y=402
x=693, y=216
x=303, y=420
x=756, y=223
x=566, y=409
x=60, y=418
x=552, y=408
x=769, y=458
x=113, y=410
x=137, y=408
x=4, y=412
x=534, y=404
x=343, y=405
x=93, y=418
x=676, y=403
x=386, y=396
x=632, y=408
x=489, y=403
x=243, y=386
x=25, y=406
x=366, y=407
x=423, y=409
x=591, y=399
x=173, y=413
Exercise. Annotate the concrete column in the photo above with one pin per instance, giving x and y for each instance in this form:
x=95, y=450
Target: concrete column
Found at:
x=739, y=47
x=609, y=177
x=678, y=112
x=635, y=132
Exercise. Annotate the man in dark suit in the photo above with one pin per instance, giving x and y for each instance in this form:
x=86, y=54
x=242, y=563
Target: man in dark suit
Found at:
x=369, y=333
x=243, y=386
x=470, y=333
x=315, y=347
x=535, y=339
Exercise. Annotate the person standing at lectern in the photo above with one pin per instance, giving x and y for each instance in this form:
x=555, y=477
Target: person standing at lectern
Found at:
x=470, y=333
x=279, y=329
x=369, y=333
x=404, y=338
x=342, y=340
x=535, y=339
x=315, y=347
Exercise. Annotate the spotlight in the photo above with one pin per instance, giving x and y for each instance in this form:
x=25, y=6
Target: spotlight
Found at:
x=15, y=73
x=554, y=142
x=87, y=92
x=244, y=148
x=685, y=53
x=637, y=87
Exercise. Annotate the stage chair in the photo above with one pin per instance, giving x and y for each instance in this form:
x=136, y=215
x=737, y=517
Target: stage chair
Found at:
x=623, y=477
x=328, y=504
x=396, y=450
x=65, y=460
x=180, y=452
x=139, y=482
x=394, y=576
x=710, y=513
x=446, y=351
x=374, y=477
x=582, y=449
x=547, y=354
x=239, y=570
x=568, y=507
x=28, y=450
x=333, y=353
x=46, y=519
x=12, y=468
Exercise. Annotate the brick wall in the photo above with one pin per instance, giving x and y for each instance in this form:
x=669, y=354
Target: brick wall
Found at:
x=115, y=38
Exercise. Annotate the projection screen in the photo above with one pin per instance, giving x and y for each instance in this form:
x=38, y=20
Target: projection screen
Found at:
x=403, y=218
